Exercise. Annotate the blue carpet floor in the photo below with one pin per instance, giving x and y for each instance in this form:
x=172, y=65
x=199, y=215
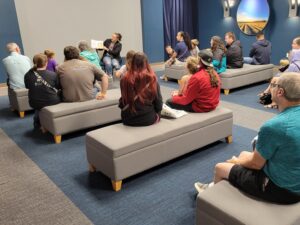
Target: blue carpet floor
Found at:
x=160, y=196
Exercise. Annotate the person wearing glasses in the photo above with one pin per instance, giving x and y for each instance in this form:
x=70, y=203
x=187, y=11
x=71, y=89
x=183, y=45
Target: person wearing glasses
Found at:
x=271, y=171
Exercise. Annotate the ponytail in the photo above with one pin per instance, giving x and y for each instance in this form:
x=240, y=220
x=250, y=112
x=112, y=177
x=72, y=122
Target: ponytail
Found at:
x=187, y=40
x=34, y=68
x=214, y=82
x=39, y=61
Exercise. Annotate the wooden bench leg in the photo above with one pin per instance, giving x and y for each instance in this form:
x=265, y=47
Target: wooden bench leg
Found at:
x=22, y=114
x=57, y=139
x=92, y=168
x=116, y=185
x=226, y=91
x=229, y=139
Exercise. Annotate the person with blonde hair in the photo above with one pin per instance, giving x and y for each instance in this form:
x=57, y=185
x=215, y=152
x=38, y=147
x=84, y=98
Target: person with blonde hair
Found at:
x=52, y=64
x=192, y=65
x=203, y=90
x=271, y=171
x=195, y=49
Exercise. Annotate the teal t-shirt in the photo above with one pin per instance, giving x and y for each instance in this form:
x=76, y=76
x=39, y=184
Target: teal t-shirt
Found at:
x=279, y=143
x=92, y=57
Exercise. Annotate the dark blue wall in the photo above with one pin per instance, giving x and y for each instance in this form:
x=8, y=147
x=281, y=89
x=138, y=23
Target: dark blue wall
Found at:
x=209, y=21
x=153, y=33
x=280, y=30
x=9, y=31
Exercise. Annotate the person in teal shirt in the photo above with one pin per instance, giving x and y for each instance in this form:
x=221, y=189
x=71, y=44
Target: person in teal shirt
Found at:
x=218, y=50
x=16, y=66
x=88, y=53
x=272, y=171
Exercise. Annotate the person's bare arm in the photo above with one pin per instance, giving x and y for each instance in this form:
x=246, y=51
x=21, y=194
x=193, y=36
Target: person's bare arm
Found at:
x=251, y=160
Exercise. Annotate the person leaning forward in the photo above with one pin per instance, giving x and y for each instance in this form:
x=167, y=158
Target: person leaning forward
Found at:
x=271, y=171
x=77, y=78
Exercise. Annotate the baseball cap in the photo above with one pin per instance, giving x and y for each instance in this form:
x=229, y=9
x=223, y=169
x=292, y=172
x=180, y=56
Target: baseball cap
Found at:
x=206, y=57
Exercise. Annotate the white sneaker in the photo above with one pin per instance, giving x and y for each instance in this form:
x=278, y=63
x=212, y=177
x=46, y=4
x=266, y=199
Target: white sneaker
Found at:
x=163, y=77
x=200, y=187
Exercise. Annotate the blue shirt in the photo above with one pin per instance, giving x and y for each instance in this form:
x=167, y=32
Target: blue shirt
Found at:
x=279, y=143
x=16, y=66
x=182, y=51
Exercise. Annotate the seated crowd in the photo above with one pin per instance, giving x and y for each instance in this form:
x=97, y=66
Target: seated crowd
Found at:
x=225, y=55
x=270, y=172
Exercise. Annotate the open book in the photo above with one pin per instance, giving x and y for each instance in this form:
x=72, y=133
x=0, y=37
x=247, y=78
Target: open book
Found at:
x=97, y=44
x=173, y=113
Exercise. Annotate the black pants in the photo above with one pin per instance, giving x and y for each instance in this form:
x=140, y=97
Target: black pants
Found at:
x=187, y=108
x=256, y=183
x=36, y=119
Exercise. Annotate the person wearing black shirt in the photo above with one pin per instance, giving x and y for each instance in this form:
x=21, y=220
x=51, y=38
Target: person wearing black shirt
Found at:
x=43, y=86
x=141, y=101
x=111, y=55
x=234, y=53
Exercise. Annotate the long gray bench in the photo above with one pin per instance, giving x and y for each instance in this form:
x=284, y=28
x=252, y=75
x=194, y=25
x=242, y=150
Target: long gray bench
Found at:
x=249, y=74
x=175, y=71
x=68, y=117
x=120, y=151
x=225, y=204
x=18, y=100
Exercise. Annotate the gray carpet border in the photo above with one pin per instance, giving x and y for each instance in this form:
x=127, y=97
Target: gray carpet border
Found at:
x=27, y=195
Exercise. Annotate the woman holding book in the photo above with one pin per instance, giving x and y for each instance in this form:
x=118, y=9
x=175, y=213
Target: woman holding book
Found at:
x=203, y=89
x=111, y=55
x=141, y=101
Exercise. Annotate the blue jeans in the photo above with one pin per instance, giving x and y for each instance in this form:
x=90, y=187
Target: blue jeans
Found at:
x=110, y=63
x=248, y=60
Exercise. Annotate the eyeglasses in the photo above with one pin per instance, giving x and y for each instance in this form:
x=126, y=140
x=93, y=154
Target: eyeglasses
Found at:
x=273, y=85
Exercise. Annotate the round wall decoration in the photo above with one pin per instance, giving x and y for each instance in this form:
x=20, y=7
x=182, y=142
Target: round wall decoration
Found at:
x=252, y=16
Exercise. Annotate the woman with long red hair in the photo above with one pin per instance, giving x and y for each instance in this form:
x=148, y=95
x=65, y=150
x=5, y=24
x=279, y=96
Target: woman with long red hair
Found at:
x=141, y=101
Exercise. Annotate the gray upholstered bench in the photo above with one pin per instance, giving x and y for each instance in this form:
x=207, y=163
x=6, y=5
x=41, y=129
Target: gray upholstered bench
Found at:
x=249, y=74
x=120, y=151
x=18, y=100
x=175, y=71
x=225, y=204
x=68, y=117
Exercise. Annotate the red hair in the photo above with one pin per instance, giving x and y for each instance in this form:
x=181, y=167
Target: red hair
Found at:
x=139, y=83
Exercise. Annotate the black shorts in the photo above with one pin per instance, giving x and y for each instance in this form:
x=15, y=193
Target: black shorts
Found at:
x=256, y=183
